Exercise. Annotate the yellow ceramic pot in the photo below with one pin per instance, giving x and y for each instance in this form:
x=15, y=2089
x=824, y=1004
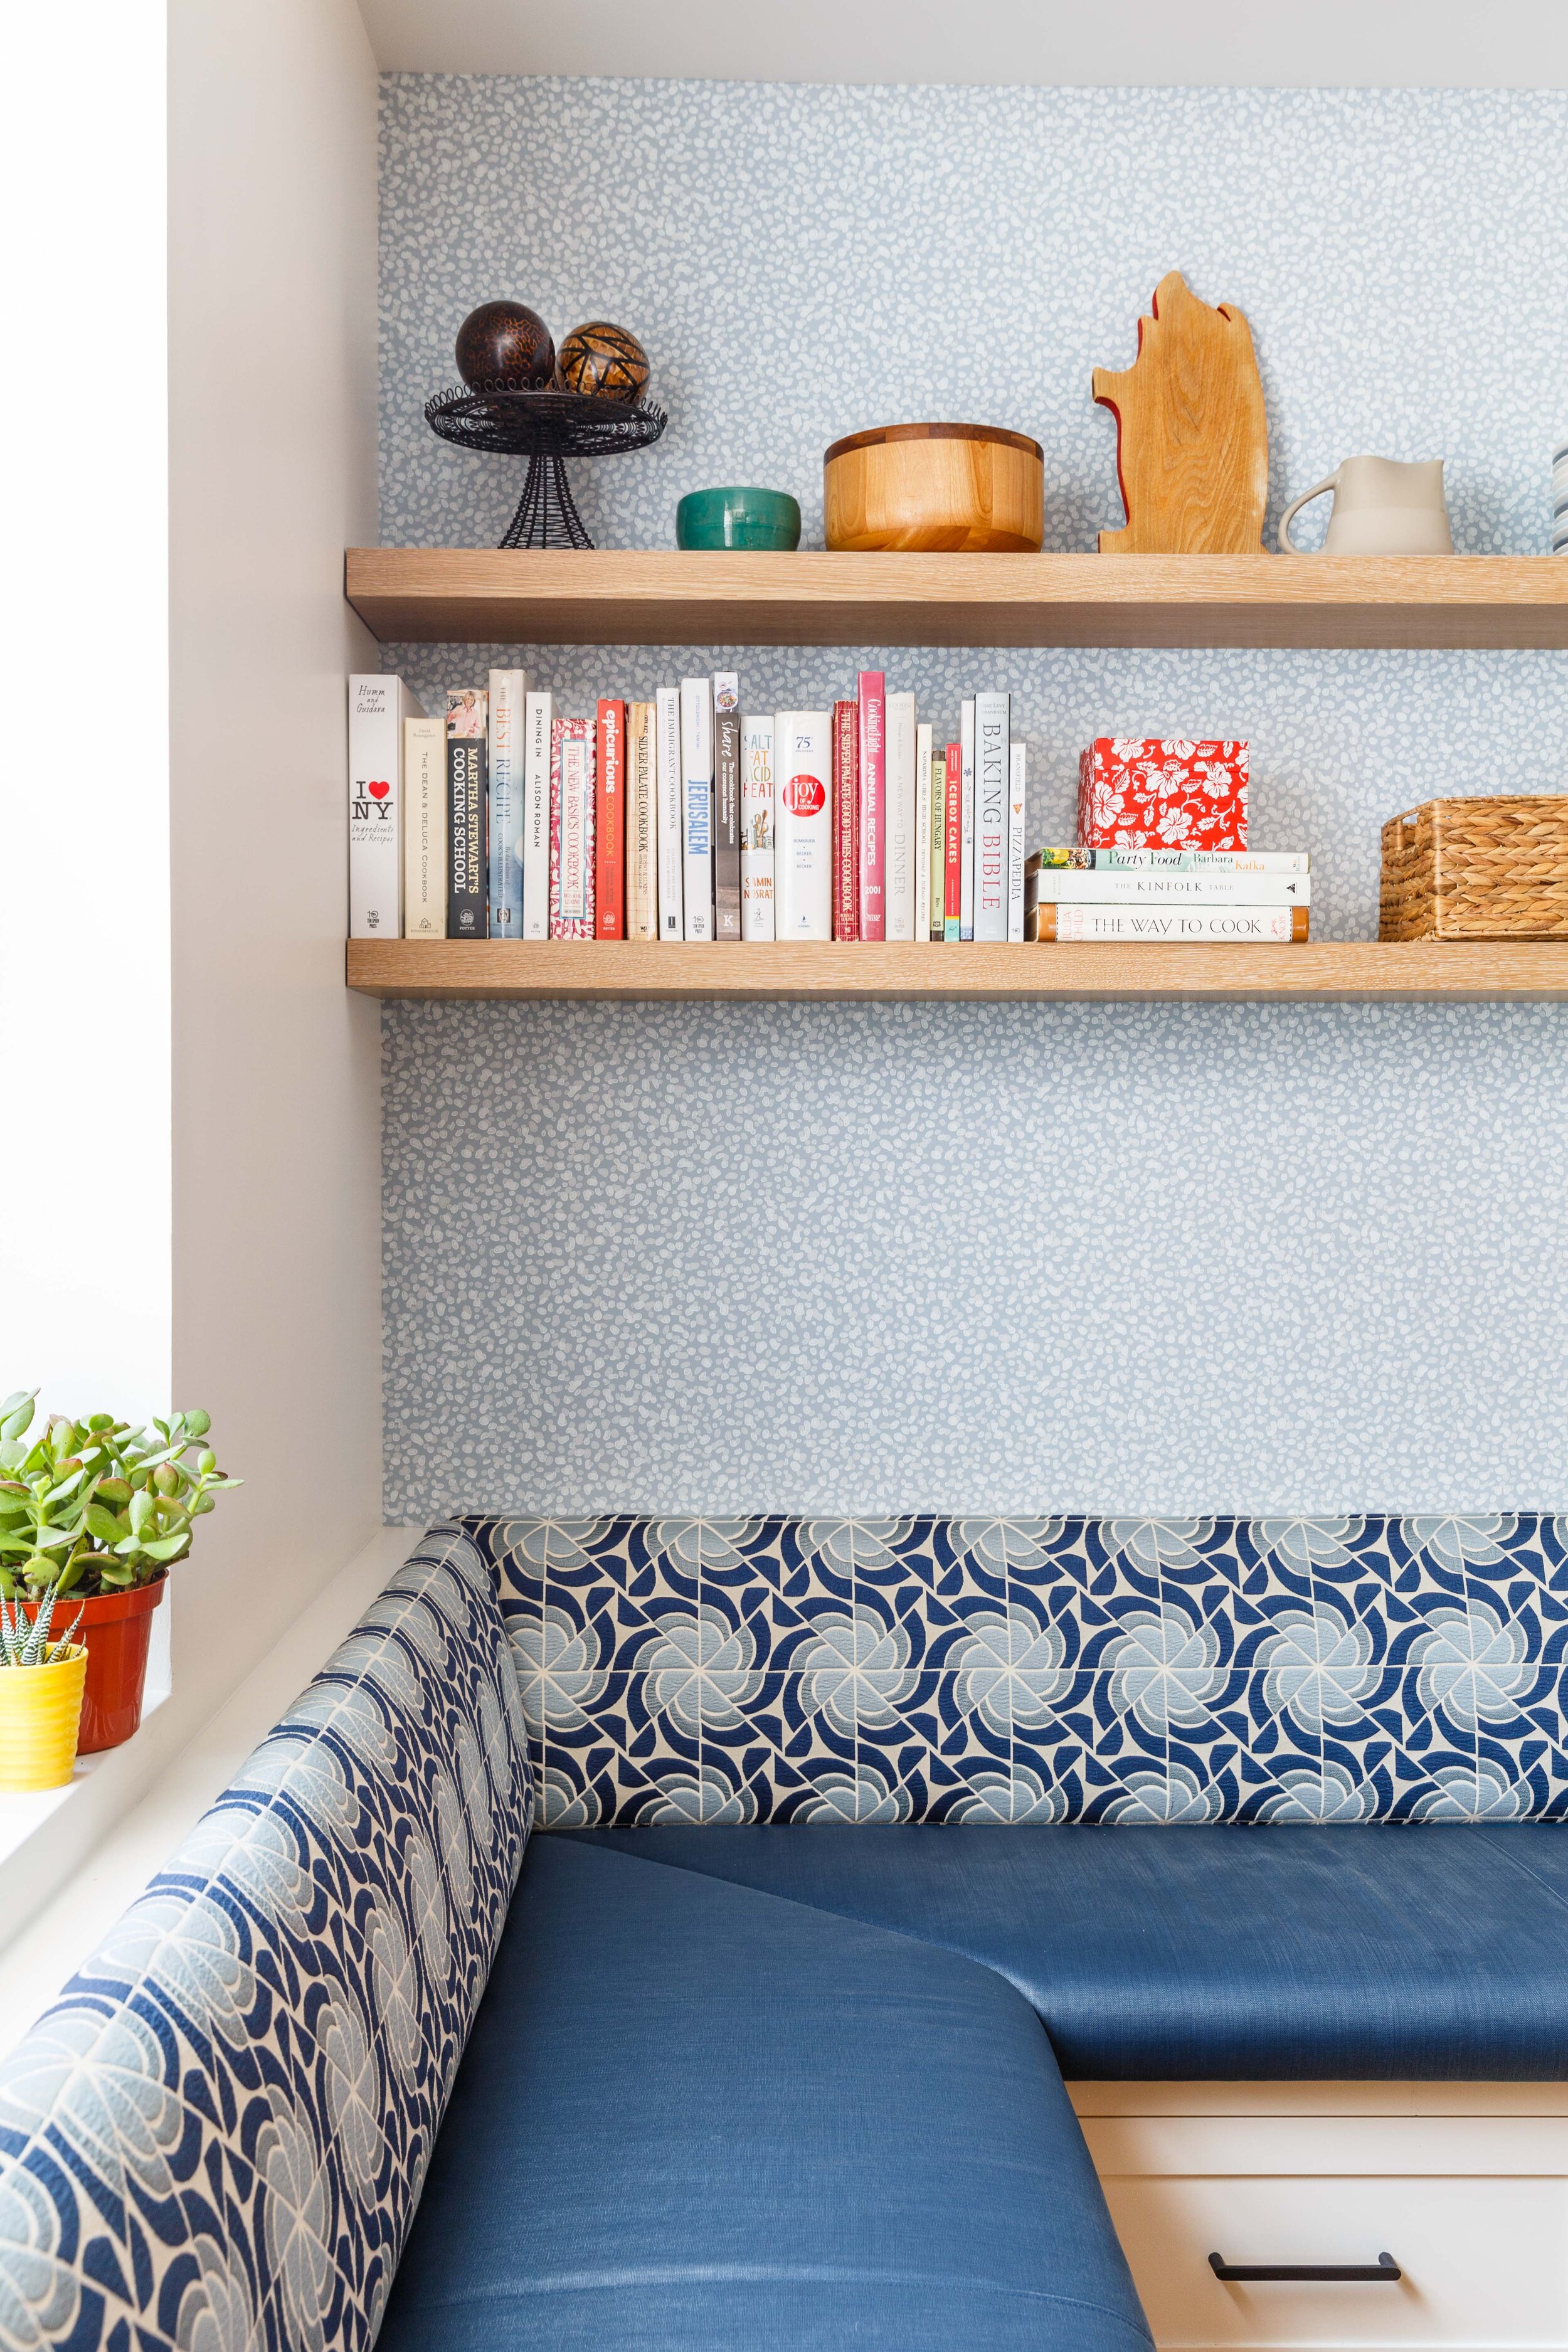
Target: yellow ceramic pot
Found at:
x=40, y=1708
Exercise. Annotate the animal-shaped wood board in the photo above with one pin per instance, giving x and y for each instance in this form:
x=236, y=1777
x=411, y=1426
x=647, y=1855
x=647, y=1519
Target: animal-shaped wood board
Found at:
x=1192, y=440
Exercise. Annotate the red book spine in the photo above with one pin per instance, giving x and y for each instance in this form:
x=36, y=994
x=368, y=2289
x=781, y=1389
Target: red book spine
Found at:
x=952, y=841
x=846, y=821
x=872, y=689
x=610, y=823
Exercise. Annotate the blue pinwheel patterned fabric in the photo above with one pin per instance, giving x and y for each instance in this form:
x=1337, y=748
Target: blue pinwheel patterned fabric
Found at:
x=216, y=2139
x=1126, y=1671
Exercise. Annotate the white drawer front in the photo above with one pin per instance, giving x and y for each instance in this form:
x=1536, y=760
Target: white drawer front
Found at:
x=1485, y=2260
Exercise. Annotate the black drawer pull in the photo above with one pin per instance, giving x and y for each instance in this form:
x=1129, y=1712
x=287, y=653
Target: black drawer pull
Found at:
x=1385, y=2267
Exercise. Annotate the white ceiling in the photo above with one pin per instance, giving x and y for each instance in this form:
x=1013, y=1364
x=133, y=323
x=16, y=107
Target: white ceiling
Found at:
x=1442, y=43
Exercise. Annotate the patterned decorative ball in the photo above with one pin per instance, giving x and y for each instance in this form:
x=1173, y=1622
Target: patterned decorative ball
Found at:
x=602, y=360
x=505, y=343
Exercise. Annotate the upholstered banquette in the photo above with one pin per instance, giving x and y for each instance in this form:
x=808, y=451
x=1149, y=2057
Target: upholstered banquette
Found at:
x=762, y=2083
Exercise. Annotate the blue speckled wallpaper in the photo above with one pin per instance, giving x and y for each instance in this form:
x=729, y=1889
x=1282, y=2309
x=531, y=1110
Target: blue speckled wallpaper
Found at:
x=996, y=1258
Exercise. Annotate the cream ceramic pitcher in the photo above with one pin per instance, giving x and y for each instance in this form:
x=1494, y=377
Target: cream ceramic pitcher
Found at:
x=1381, y=507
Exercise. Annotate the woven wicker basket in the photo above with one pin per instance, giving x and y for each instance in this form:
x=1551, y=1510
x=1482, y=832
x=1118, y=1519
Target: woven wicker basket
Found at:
x=1481, y=869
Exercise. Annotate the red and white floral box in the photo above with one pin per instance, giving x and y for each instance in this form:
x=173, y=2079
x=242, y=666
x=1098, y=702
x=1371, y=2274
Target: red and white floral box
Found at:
x=1161, y=794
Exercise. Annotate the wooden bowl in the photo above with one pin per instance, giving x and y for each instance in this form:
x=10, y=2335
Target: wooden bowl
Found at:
x=948, y=487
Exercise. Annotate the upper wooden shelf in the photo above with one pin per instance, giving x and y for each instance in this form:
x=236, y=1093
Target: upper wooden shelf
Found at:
x=514, y=969
x=491, y=596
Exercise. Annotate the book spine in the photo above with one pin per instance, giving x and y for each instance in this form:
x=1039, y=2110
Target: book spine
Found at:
x=870, y=694
x=507, y=700
x=697, y=805
x=846, y=821
x=922, y=832
x=802, y=857
x=1192, y=861
x=936, y=849
x=993, y=758
x=726, y=805
x=467, y=726
x=1240, y=926
x=667, y=773
x=423, y=829
x=953, y=847
x=572, y=829
x=757, y=828
x=1071, y=886
x=375, y=806
x=610, y=822
x=899, y=801
x=641, y=892
x=538, y=726
x=966, y=852
x=1017, y=792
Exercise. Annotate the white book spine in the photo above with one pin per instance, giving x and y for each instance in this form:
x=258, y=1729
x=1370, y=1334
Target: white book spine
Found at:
x=1200, y=861
x=1072, y=886
x=898, y=819
x=697, y=805
x=423, y=829
x=509, y=695
x=1247, y=925
x=757, y=828
x=377, y=709
x=671, y=832
x=966, y=818
x=803, y=805
x=993, y=763
x=539, y=716
x=1017, y=789
x=922, y=832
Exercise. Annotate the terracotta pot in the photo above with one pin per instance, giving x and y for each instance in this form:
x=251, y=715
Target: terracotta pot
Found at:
x=116, y=1628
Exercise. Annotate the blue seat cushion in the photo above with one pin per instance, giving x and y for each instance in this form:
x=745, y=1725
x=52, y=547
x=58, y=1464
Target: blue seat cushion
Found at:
x=1333, y=1954
x=697, y=2118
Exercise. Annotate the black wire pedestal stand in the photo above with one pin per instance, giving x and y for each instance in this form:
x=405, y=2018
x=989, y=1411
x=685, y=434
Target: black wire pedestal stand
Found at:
x=545, y=427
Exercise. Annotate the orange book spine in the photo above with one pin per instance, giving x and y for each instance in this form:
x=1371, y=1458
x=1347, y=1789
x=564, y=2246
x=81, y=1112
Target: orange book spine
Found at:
x=610, y=823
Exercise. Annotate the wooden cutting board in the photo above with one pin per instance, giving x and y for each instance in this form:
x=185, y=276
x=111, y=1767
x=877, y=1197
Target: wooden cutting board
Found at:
x=1192, y=439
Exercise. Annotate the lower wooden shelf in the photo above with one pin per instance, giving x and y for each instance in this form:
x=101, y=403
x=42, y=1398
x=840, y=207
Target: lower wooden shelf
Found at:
x=512, y=969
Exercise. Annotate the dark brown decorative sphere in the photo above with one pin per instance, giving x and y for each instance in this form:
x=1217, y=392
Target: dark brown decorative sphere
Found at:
x=602, y=360
x=505, y=343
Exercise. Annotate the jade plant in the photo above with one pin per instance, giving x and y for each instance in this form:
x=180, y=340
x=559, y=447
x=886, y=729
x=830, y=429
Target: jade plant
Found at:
x=24, y=1642
x=96, y=1506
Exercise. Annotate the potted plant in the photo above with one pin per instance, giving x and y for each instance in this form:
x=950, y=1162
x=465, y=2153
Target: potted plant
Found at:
x=100, y=1510
x=40, y=1697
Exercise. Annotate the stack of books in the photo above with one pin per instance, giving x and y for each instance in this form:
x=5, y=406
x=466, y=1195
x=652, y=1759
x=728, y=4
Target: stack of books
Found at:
x=1162, y=854
x=1247, y=896
x=682, y=818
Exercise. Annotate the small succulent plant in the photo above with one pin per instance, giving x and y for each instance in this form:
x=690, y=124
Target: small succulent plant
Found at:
x=24, y=1642
x=96, y=1506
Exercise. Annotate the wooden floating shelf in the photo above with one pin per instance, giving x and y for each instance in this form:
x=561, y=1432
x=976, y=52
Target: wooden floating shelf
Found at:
x=515, y=970
x=558, y=597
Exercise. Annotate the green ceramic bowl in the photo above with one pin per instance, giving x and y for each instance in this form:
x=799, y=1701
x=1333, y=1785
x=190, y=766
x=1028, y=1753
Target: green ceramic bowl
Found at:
x=738, y=518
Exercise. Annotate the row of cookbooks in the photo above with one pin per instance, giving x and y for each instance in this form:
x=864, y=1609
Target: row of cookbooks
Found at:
x=684, y=819
x=680, y=818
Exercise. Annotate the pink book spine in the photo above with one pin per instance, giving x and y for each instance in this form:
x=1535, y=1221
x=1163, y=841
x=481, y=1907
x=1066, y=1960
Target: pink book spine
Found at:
x=871, y=687
x=572, y=829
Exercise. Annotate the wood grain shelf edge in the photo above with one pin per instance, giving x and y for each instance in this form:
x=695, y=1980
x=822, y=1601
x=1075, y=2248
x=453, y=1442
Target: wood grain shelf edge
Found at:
x=516, y=971
x=659, y=596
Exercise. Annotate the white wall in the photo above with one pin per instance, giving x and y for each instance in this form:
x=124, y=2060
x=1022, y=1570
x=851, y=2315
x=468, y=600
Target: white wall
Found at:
x=173, y=910
x=84, y=880
x=276, y=1074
